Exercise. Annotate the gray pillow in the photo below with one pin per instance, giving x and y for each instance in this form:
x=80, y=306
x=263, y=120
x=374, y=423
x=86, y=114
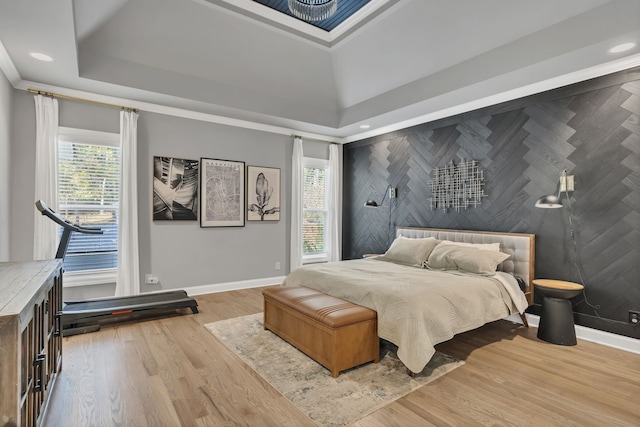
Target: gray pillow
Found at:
x=466, y=259
x=408, y=251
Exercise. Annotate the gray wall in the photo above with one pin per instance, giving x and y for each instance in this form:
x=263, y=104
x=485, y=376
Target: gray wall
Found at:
x=6, y=95
x=591, y=129
x=181, y=254
x=315, y=149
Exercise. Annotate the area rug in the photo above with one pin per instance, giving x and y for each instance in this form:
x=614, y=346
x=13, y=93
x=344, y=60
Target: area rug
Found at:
x=328, y=401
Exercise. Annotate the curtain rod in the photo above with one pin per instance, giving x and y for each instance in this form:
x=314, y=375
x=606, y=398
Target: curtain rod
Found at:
x=73, y=98
x=309, y=138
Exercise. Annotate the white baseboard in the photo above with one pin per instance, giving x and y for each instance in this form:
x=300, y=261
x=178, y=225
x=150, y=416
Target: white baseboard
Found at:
x=588, y=334
x=233, y=286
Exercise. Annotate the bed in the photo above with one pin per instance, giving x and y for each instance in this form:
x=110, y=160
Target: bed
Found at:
x=431, y=285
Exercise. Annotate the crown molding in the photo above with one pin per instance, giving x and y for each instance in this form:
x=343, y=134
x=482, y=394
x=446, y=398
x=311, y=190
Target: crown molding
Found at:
x=14, y=78
x=8, y=68
x=527, y=90
x=175, y=112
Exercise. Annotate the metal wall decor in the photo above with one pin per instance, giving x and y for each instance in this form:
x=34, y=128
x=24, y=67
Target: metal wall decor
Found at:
x=457, y=186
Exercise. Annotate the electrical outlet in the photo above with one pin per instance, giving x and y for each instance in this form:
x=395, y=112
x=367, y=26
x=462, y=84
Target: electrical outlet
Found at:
x=634, y=317
x=278, y=266
x=149, y=279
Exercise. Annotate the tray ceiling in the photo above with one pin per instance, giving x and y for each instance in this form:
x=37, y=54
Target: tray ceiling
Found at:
x=392, y=63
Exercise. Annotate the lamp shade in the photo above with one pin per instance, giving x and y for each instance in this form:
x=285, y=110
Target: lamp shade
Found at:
x=373, y=204
x=549, y=202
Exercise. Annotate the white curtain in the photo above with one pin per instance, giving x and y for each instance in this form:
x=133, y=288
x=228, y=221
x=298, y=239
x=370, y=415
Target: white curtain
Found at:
x=335, y=202
x=45, y=231
x=297, y=173
x=128, y=277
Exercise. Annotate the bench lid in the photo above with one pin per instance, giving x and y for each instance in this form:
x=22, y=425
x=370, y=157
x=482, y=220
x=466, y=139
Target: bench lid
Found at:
x=329, y=310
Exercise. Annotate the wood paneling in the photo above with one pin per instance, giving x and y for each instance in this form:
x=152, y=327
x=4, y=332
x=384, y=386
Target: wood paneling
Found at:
x=591, y=129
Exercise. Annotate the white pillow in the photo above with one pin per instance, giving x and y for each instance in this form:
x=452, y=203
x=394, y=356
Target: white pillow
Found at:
x=408, y=251
x=482, y=246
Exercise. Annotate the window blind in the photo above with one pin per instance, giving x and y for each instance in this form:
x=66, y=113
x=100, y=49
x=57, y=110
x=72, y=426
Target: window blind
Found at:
x=88, y=194
x=314, y=224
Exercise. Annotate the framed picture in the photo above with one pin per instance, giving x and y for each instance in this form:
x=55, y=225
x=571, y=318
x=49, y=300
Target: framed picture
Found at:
x=221, y=193
x=263, y=194
x=175, y=189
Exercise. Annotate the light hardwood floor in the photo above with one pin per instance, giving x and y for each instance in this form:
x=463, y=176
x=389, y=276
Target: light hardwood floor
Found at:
x=172, y=372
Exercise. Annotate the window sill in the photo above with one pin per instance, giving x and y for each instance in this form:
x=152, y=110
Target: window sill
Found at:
x=314, y=259
x=96, y=277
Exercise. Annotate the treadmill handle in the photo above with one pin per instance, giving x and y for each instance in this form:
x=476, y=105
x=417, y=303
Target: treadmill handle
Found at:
x=65, y=223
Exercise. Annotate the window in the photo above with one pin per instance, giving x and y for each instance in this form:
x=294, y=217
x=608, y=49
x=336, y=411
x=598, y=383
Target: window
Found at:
x=88, y=194
x=315, y=211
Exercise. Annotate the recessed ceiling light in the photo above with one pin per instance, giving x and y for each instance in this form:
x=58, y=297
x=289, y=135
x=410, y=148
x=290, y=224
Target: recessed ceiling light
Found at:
x=365, y=126
x=41, y=56
x=622, y=47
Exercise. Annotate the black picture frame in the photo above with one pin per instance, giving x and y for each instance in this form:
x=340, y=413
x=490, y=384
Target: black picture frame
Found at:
x=222, y=198
x=263, y=193
x=175, y=189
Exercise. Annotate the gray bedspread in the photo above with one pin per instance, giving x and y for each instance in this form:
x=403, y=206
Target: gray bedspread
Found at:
x=417, y=308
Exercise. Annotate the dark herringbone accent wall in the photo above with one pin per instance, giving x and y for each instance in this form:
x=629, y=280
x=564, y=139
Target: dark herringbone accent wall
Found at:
x=591, y=129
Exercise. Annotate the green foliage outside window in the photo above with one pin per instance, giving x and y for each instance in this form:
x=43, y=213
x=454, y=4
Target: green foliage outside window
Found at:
x=315, y=211
x=88, y=174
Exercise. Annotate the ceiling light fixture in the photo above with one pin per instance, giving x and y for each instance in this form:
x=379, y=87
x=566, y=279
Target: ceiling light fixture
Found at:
x=365, y=126
x=313, y=10
x=622, y=47
x=41, y=56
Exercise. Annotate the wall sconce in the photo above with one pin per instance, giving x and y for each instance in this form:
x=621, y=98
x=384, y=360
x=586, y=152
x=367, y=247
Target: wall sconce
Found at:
x=392, y=191
x=551, y=201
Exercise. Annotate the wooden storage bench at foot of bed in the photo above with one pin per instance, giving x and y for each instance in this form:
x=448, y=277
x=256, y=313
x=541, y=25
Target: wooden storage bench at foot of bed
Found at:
x=335, y=333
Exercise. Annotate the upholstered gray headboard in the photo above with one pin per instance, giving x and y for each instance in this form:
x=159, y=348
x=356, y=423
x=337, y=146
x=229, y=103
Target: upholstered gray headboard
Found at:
x=521, y=247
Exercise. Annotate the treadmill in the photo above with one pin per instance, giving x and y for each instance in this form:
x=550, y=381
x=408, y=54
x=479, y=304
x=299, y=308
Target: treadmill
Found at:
x=78, y=317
